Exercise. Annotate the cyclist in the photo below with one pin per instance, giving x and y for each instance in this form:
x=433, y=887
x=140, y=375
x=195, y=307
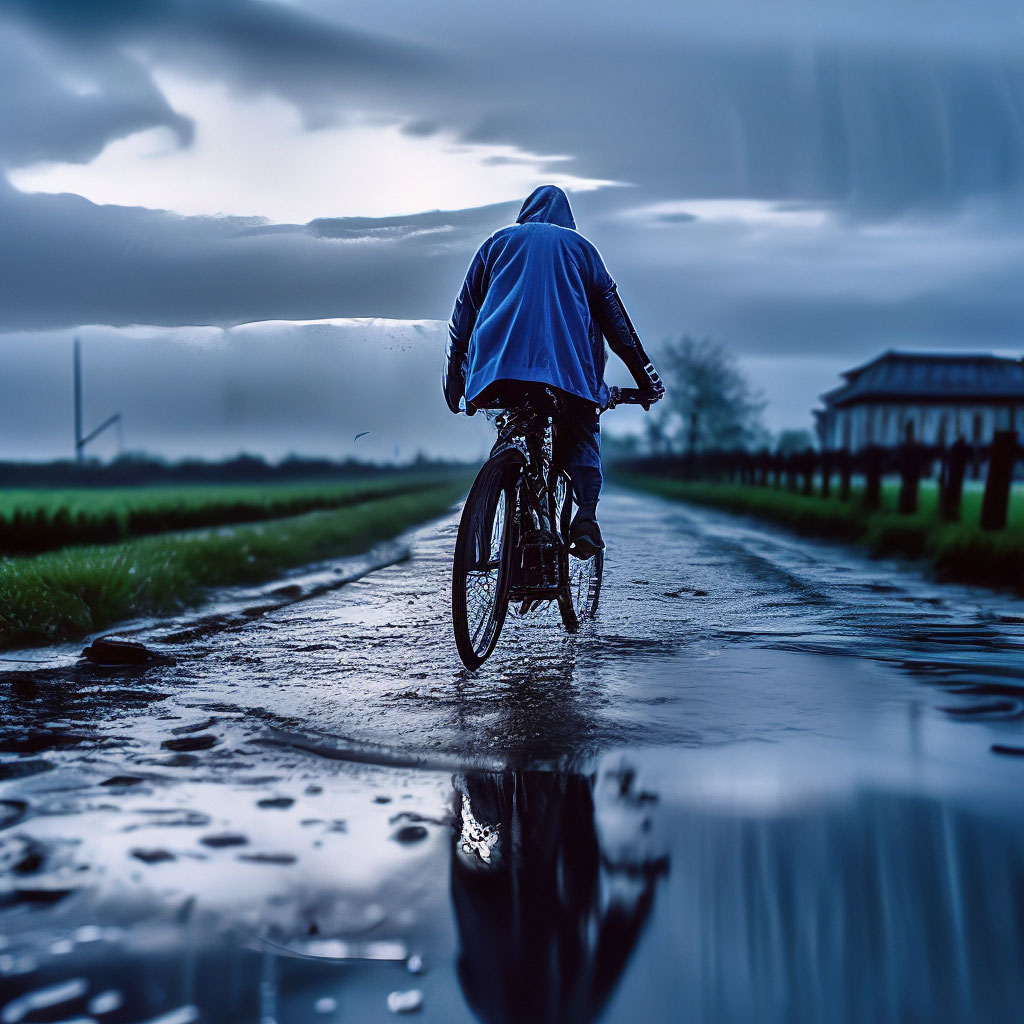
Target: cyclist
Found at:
x=532, y=310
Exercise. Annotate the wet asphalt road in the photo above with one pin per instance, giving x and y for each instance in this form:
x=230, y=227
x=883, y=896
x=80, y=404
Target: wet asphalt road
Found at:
x=762, y=785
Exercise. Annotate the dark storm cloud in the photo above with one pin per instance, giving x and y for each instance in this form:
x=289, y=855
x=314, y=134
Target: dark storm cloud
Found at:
x=878, y=106
x=421, y=129
x=827, y=289
x=257, y=46
x=69, y=262
x=879, y=131
x=883, y=110
x=453, y=228
x=43, y=117
x=277, y=40
x=66, y=261
x=876, y=23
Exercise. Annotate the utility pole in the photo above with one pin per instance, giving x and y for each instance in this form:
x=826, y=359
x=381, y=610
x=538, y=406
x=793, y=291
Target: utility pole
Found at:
x=80, y=440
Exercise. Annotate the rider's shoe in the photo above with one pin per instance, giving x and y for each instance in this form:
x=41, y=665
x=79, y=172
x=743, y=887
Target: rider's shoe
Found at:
x=585, y=538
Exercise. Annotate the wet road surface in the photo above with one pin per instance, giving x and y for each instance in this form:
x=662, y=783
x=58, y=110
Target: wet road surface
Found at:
x=774, y=780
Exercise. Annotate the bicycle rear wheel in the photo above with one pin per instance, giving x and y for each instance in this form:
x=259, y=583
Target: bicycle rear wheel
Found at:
x=578, y=603
x=481, y=564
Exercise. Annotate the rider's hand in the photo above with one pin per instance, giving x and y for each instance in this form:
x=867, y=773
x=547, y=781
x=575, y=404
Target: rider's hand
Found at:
x=653, y=394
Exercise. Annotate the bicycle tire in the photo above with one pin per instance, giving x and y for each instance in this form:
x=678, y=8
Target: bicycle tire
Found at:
x=479, y=595
x=578, y=602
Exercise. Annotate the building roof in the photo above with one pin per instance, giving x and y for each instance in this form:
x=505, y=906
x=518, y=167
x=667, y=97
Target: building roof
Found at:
x=932, y=376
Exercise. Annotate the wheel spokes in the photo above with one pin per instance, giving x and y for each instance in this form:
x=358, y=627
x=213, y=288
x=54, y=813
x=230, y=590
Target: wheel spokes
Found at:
x=583, y=582
x=481, y=582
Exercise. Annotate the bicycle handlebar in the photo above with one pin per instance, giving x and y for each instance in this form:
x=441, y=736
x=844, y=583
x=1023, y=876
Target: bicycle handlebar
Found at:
x=630, y=396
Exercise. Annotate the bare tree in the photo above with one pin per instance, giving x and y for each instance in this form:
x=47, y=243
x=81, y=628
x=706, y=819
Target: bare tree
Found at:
x=710, y=403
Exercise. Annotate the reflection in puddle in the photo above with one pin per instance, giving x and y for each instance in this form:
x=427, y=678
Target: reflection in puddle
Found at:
x=547, y=917
x=621, y=891
x=886, y=908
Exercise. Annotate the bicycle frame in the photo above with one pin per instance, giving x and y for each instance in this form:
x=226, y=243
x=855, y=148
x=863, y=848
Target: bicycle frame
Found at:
x=540, y=569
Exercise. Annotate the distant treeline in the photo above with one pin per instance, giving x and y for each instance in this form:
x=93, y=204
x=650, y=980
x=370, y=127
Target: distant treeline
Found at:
x=131, y=470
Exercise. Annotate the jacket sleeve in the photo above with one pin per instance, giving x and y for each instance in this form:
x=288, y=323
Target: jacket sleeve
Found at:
x=460, y=329
x=611, y=316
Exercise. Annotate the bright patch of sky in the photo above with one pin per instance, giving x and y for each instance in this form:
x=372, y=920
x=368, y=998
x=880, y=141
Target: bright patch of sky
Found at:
x=253, y=156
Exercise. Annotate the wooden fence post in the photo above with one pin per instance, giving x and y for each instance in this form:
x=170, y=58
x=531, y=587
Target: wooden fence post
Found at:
x=826, y=473
x=951, y=481
x=762, y=468
x=995, y=505
x=872, y=457
x=910, y=477
x=844, y=475
x=807, y=468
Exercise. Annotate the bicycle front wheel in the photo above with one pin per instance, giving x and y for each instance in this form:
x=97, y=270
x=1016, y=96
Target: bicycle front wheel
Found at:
x=481, y=565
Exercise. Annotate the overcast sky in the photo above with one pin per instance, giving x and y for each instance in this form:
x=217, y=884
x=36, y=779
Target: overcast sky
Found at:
x=809, y=182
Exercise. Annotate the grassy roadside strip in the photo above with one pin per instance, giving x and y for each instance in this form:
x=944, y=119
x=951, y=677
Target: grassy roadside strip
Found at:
x=34, y=521
x=955, y=551
x=64, y=595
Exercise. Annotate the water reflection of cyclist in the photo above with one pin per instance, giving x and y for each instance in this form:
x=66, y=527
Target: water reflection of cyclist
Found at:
x=547, y=921
x=532, y=310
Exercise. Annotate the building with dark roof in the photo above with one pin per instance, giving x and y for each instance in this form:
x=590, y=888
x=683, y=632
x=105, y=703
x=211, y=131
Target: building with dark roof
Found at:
x=929, y=397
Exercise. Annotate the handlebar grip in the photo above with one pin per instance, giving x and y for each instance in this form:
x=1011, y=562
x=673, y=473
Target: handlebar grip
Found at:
x=629, y=396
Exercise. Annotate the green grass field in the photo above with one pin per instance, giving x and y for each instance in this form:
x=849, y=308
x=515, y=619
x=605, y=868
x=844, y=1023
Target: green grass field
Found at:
x=67, y=594
x=970, y=508
x=956, y=551
x=33, y=521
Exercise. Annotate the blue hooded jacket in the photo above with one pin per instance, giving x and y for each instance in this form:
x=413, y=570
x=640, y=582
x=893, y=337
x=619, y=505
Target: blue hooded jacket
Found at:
x=526, y=311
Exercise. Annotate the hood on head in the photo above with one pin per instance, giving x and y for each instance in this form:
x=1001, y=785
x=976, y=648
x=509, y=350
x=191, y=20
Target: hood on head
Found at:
x=547, y=205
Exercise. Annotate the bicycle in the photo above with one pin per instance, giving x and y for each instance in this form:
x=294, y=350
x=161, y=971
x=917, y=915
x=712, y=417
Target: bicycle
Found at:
x=512, y=542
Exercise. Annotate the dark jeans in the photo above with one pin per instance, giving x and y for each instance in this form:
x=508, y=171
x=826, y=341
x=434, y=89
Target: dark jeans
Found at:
x=578, y=451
